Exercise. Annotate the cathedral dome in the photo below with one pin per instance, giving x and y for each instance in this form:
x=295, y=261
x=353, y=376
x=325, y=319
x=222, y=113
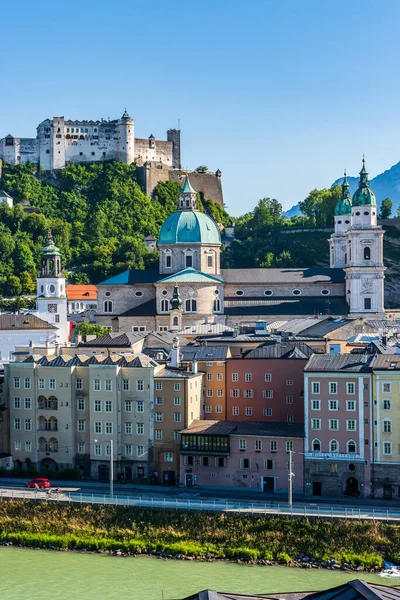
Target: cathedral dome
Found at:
x=343, y=207
x=189, y=227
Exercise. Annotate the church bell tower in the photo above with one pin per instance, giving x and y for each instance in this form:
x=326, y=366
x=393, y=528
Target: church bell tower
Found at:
x=51, y=300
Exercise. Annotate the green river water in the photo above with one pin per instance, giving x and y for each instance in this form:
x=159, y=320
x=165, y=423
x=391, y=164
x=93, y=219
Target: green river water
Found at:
x=27, y=574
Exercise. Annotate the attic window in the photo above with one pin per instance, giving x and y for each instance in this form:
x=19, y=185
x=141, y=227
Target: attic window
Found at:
x=268, y=293
x=296, y=292
x=325, y=292
x=86, y=294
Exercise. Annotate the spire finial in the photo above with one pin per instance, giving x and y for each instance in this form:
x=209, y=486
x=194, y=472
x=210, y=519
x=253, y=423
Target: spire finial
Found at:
x=345, y=172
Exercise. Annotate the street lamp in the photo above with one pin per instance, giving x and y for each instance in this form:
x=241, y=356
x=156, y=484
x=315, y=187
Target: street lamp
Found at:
x=291, y=475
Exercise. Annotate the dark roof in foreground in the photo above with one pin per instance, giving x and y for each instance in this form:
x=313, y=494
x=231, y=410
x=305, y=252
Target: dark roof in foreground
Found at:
x=116, y=340
x=246, y=428
x=346, y=363
x=352, y=590
x=281, y=350
x=132, y=276
x=290, y=275
x=21, y=322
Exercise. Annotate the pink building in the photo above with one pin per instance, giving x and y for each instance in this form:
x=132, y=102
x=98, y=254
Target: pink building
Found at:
x=337, y=409
x=267, y=383
x=242, y=454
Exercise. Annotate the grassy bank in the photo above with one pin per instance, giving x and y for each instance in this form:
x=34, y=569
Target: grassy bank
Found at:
x=196, y=534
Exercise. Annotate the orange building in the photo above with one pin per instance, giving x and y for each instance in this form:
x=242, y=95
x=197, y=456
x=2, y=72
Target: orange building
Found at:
x=81, y=298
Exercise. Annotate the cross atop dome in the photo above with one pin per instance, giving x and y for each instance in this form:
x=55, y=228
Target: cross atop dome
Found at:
x=187, y=196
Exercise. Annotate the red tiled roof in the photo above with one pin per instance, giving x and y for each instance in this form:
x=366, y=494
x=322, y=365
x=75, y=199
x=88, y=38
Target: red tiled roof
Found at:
x=81, y=292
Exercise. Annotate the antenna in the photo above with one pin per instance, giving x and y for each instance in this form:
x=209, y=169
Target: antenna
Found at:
x=179, y=124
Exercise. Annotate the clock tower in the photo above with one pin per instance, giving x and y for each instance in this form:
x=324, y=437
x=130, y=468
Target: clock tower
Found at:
x=51, y=303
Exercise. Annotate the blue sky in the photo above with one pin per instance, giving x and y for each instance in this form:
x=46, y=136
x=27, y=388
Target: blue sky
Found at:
x=281, y=95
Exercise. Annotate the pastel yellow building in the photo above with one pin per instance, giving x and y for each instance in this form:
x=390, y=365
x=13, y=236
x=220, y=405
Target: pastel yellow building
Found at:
x=385, y=427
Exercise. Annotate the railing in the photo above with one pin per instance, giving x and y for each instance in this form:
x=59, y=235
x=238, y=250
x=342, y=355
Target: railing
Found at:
x=311, y=510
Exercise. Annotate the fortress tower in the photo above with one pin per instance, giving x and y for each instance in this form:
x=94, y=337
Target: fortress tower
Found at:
x=126, y=139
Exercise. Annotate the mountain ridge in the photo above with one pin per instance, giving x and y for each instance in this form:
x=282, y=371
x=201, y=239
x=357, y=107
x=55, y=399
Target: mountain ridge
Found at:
x=384, y=185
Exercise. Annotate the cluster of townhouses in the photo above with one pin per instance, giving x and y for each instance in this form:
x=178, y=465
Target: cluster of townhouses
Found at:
x=207, y=418
x=212, y=377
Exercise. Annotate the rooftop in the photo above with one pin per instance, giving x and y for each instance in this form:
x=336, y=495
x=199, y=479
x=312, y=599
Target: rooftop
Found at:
x=284, y=350
x=189, y=275
x=246, y=428
x=295, y=305
x=292, y=275
x=385, y=363
x=202, y=353
x=81, y=292
x=352, y=590
x=114, y=340
x=132, y=276
x=172, y=373
x=23, y=322
x=120, y=360
x=347, y=363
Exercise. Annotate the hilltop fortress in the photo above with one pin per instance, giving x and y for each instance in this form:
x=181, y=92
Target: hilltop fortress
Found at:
x=59, y=141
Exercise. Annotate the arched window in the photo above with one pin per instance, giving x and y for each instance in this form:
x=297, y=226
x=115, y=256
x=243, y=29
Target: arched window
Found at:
x=164, y=305
x=333, y=446
x=108, y=306
x=175, y=322
x=316, y=445
x=53, y=445
x=190, y=305
x=43, y=446
x=387, y=426
x=217, y=305
x=367, y=253
x=351, y=447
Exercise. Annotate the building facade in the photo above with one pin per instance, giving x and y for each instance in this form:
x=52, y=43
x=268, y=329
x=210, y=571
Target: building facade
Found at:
x=266, y=385
x=337, y=421
x=246, y=455
x=65, y=412
x=385, y=427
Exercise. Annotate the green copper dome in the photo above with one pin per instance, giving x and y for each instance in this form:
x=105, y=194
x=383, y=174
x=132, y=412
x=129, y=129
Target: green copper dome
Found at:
x=364, y=196
x=50, y=248
x=343, y=207
x=189, y=227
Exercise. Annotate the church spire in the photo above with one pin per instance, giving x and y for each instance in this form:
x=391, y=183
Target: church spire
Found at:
x=343, y=207
x=187, y=196
x=176, y=301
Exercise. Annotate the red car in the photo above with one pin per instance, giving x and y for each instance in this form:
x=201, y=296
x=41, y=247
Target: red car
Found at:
x=40, y=482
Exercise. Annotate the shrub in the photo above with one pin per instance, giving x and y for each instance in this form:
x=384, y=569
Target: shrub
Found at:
x=284, y=558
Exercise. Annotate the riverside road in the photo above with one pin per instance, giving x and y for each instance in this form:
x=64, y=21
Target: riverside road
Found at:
x=156, y=497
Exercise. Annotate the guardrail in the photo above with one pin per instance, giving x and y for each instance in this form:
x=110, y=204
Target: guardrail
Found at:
x=273, y=508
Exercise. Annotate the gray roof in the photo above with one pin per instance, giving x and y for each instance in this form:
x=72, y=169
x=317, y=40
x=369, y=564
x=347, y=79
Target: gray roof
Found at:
x=346, y=363
x=204, y=352
x=121, y=360
x=384, y=363
x=172, y=373
x=4, y=194
x=284, y=350
x=291, y=275
x=116, y=340
x=23, y=322
x=352, y=590
x=246, y=428
x=294, y=305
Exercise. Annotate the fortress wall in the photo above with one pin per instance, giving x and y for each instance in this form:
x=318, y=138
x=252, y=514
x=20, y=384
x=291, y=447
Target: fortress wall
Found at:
x=161, y=153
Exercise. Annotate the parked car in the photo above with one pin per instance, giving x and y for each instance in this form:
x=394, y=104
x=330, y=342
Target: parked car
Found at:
x=40, y=482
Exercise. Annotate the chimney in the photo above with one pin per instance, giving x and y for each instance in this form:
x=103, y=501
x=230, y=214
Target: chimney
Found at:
x=31, y=347
x=175, y=354
x=194, y=366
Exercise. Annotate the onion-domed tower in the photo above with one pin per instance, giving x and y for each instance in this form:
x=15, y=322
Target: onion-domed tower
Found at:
x=337, y=242
x=365, y=271
x=189, y=238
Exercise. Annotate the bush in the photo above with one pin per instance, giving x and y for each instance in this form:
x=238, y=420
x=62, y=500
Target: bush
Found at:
x=283, y=557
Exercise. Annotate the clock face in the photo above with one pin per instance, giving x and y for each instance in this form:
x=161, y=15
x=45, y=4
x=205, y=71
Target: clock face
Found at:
x=52, y=308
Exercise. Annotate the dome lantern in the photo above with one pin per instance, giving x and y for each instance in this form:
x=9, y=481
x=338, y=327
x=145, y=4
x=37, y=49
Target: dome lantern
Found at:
x=364, y=196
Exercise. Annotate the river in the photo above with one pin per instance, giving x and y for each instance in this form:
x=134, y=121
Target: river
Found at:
x=27, y=574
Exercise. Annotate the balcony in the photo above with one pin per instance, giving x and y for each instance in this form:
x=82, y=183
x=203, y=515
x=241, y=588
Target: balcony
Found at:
x=211, y=445
x=50, y=403
x=48, y=446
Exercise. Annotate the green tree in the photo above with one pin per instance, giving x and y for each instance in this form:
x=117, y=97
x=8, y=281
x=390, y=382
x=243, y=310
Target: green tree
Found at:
x=386, y=208
x=12, y=287
x=319, y=206
x=202, y=169
x=85, y=328
x=28, y=283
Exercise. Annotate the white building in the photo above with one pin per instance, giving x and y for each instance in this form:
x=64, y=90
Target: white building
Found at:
x=81, y=298
x=23, y=330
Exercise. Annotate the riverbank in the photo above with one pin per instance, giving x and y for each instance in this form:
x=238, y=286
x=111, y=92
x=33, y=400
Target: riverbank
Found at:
x=200, y=535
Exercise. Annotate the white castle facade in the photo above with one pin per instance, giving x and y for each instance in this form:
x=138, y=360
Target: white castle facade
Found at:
x=59, y=141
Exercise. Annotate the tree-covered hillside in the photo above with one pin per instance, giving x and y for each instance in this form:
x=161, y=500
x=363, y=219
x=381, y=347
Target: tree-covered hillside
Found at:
x=99, y=216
